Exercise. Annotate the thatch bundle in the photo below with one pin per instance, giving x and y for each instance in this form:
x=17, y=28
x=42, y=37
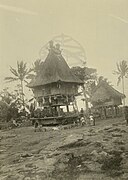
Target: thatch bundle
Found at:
x=54, y=69
x=105, y=92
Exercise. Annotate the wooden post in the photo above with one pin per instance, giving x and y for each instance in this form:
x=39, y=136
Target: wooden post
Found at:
x=76, y=106
x=67, y=108
x=58, y=110
x=105, y=115
x=112, y=107
x=116, y=113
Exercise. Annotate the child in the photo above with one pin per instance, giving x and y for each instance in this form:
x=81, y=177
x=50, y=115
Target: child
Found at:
x=36, y=125
x=92, y=120
x=82, y=121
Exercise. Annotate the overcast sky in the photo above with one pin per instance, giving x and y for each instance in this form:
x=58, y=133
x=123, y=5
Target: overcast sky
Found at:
x=100, y=26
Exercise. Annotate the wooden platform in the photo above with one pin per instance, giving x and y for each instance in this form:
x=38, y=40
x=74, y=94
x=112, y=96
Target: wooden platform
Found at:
x=55, y=120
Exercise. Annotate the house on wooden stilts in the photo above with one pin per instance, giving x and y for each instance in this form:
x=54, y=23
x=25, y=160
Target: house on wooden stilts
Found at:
x=55, y=87
x=106, y=100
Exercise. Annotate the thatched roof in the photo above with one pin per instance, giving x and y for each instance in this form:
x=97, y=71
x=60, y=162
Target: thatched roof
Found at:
x=104, y=92
x=54, y=69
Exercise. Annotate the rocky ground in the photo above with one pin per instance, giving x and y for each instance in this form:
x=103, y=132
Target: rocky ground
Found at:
x=78, y=153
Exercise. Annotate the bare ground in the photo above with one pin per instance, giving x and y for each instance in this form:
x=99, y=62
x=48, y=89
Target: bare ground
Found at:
x=78, y=153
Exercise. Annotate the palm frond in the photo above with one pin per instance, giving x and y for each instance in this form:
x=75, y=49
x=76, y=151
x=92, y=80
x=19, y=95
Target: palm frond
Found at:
x=26, y=81
x=14, y=72
x=30, y=70
x=30, y=76
x=118, y=67
x=123, y=67
x=11, y=79
x=119, y=80
x=116, y=72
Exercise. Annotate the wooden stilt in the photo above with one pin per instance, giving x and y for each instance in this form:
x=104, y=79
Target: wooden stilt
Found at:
x=67, y=108
x=58, y=110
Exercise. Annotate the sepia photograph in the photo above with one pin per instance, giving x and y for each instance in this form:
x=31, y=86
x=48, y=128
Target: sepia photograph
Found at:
x=63, y=89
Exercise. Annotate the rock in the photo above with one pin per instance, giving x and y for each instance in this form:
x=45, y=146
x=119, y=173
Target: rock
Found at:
x=78, y=166
x=26, y=155
x=1, y=151
x=91, y=134
x=114, y=130
x=98, y=144
x=91, y=131
x=116, y=135
x=105, y=139
x=118, y=141
x=55, y=129
x=115, y=124
x=103, y=153
x=124, y=176
x=108, y=127
x=61, y=166
x=123, y=131
x=99, y=157
x=92, y=166
x=29, y=165
x=116, y=152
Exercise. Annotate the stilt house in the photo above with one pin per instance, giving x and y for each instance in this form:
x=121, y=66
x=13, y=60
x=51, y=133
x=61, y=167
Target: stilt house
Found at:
x=55, y=86
x=107, y=100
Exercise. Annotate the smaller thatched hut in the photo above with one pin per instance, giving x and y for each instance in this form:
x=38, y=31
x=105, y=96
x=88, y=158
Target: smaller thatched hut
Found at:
x=106, y=100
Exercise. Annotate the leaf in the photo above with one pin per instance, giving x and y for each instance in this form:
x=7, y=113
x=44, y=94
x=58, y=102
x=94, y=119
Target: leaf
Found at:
x=30, y=76
x=10, y=79
x=26, y=81
x=119, y=80
x=14, y=72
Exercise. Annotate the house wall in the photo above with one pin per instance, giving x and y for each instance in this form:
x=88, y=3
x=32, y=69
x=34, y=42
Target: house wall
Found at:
x=56, y=88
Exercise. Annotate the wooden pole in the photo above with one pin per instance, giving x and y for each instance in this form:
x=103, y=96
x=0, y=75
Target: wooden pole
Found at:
x=67, y=108
x=58, y=110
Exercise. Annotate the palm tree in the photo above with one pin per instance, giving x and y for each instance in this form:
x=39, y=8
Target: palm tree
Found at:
x=19, y=74
x=122, y=73
x=37, y=68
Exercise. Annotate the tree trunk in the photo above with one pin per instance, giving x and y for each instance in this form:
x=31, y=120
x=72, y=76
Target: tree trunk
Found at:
x=123, y=90
x=86, y=101
x=22, y=91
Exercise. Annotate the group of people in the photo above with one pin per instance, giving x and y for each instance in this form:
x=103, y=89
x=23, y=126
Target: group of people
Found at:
x=86, y=119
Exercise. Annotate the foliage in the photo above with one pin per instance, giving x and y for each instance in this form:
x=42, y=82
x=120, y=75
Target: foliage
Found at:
x=37, y=67
x=19, y=74
x=87, y=75
x=122, y=71
x=84, y=73
x=3, y=110
x=5, y=96
x=8, y=101
x=102, y=79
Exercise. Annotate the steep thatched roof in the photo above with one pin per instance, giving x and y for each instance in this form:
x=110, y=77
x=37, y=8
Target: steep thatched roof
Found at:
x=104, y=92
x=54, y=69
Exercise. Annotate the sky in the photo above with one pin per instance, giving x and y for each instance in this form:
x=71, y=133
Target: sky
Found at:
x=100, y=26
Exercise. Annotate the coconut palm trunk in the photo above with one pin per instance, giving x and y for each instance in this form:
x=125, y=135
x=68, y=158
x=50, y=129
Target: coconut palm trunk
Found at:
x=22, y=93
x=86, y=101
x=20, y=74
x=122, y=73
x=123, y=90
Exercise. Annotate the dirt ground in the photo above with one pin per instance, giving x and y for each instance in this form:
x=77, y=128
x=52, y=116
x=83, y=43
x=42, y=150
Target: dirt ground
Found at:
x=70, y=153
